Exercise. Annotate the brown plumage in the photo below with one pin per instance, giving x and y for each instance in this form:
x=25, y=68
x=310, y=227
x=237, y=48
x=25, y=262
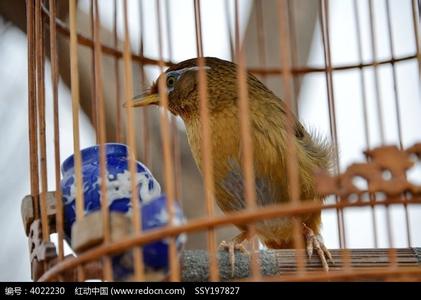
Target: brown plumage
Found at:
x=268, y=129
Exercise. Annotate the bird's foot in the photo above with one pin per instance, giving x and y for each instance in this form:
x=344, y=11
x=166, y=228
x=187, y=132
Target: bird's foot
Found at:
x=231, y=247
x=314, y=241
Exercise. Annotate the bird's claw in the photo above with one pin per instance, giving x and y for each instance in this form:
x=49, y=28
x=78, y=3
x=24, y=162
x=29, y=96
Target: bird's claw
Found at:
x=231, y=247
x=314, y=241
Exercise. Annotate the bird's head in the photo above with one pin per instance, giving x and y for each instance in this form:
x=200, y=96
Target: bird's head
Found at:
x=182, y=87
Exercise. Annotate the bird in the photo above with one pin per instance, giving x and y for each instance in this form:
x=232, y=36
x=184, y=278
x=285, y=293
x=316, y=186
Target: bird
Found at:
x=269, y=133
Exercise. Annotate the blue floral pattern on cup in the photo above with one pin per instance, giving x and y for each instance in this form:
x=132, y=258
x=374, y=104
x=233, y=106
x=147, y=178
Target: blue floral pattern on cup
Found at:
x=153, y=204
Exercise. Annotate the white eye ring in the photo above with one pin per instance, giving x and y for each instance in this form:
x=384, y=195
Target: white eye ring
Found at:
x=173, y=76
x=171, y=82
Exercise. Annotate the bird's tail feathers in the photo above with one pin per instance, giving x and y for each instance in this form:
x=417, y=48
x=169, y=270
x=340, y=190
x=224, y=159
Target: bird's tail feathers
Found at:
x=320, y=149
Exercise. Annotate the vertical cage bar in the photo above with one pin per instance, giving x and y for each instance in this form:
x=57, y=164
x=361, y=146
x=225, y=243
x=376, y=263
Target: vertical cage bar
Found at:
x=177, y=160
x=228, y=23
x=416, y=24
x=128, y=94
x=324, y=17
x=145, y=131
x=118, y=122
x=94, y=113
x=246, y=141
x=365, y=112
x=261, y=37
x=74, y=75
x=373, y=46
x=101, y=134
x=175, y=146
x=398, y=110
x=394, y=77
x=325, y=25
x=32, y=112
x=167, y=14
x=392, y=252
x=361, y=73
x=54, y=81
x=206, y=145
x=168, y=159
x=40, y=63
x=294, y=54
x=291, y=150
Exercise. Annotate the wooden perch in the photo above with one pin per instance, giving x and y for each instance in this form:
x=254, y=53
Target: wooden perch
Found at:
x=282, y=262
x=367, y=265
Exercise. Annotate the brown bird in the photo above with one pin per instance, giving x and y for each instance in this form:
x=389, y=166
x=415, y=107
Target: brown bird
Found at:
x=268, y=115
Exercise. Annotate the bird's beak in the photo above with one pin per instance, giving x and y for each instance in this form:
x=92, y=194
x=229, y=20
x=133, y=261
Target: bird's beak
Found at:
x=142, y=100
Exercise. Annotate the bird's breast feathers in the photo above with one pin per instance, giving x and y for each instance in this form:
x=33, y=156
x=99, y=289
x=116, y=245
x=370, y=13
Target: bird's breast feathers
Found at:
x=227, y=161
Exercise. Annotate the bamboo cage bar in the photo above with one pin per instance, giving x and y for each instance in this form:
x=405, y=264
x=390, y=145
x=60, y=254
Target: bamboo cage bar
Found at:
x=294, y=54
x=75, y=109
x=139, y=269
x=32, y=118
x=40, y=80
x=54, y=80
x=246, y=140
x=206, y=145
x=324, y=23
x=261, y=37
x=397, y=108
x=417, y=38
x=118, y=114
x=199, y=224
x=291, y=153
x=380, y=116
x=101, y=137
x=373, y=45
x=74, y=73
x=365, y=109
x=94, y=112
x=168, y=158
x=85, y=41
x=175, y=134
x=145, y=129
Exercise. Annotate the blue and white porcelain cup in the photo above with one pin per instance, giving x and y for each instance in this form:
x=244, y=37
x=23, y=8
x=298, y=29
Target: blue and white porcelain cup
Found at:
x=153, y=204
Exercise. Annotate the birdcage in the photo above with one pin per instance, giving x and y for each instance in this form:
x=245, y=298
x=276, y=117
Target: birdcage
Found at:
x=367, y=187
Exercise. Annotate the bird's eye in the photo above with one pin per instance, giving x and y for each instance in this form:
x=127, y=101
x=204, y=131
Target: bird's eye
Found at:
x=171, y=82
